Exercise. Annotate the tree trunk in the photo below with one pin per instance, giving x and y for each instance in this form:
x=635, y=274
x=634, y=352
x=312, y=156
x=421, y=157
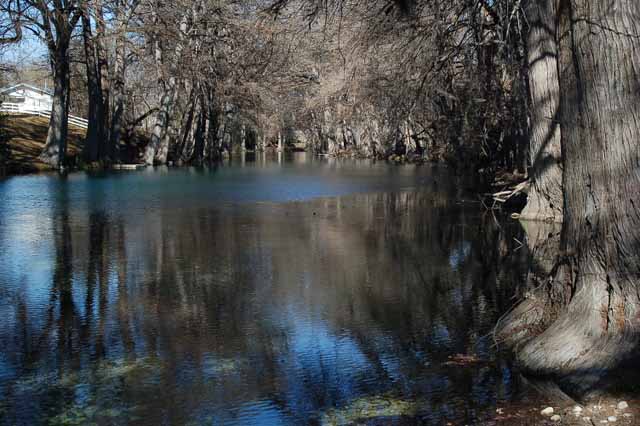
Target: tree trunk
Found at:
x=158, y=147
x=199, y=133
x=92, y=151
x=545, y=194
x=213, y=129
x=162, y=153
x=540, y=304
x=184, y=148
x=55, y=149
x=243, y=138
x=103, y=67
x=117, y=114
x=599, y=86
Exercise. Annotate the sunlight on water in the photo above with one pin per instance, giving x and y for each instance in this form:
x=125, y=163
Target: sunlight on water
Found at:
x=313, y=292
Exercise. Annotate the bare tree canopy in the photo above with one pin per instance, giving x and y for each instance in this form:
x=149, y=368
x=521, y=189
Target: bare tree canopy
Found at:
x=542, y=94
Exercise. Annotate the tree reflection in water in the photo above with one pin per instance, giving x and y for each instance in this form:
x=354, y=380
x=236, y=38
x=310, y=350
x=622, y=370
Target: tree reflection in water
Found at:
x=264, y=313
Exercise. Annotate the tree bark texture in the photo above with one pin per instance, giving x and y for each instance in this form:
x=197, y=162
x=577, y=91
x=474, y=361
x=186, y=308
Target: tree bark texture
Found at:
x=539, y=303
x=544, y=200
x=93, y=146
x=103, y=66
x=117, y=115
x=158, y=149
x=599, y=59
x=118, y=89
x=55, y=149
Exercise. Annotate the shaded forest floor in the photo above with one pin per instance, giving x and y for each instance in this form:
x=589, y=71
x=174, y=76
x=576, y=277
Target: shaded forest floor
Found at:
x=24, y=139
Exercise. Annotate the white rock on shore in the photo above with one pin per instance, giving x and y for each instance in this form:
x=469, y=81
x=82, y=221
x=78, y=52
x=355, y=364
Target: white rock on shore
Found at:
x=547, y=411
x=622, y=405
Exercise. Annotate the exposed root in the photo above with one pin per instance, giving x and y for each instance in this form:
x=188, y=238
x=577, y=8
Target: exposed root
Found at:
x=576, y=346
x=539, y=304
x=522, y=323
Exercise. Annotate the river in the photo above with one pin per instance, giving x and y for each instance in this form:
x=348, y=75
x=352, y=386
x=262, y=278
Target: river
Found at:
x=259, y=292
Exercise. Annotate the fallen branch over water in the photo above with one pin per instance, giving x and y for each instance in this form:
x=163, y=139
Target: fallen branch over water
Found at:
x=504, y=196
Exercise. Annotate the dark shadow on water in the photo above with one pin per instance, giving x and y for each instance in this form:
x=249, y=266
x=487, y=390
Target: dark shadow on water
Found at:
x=348, y=308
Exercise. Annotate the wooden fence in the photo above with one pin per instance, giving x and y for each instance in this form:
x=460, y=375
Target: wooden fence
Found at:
x=13, y=108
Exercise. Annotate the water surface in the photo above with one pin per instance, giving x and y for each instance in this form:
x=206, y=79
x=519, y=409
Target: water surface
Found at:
x=296, y=292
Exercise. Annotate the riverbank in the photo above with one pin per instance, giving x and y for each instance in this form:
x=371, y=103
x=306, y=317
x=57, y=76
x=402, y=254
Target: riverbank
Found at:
x=604, y=411
x=24, y=139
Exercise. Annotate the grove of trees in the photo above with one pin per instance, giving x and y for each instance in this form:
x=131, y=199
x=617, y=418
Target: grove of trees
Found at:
x=569, y=69
x=196, y=78
x=546, y=90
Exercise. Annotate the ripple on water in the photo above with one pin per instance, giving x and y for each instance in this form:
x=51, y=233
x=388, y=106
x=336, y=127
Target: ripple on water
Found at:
x=267, y=293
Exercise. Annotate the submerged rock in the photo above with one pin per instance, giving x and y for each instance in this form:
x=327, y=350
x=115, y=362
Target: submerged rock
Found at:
x=369, y=408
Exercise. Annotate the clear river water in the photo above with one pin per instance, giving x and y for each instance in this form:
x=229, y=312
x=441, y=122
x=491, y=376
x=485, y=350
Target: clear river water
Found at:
x=260, y=292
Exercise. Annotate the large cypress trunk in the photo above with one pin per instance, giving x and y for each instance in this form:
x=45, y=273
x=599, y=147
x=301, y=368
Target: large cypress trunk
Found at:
x=214, y=127
x=162, y=151
x=599, y=86
x=200, y=133
x=540, y=302
x=55, y=150
x=103, y=66
x=185, y=145
x=95, y=130
x=157, y=150
x=117, y=113
x=544, y=200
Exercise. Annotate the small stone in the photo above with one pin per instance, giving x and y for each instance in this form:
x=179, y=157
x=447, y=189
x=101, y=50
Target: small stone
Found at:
x=627, y=415
x=556, y=418
x=612, y=419
x=547, y=412
x=499, y=410
x=622, y=405
x=577, y=410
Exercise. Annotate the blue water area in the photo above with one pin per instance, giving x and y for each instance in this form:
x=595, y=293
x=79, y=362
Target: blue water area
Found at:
x=263, y=291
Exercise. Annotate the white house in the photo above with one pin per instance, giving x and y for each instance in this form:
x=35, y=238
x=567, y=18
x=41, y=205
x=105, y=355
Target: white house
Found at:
x=26, y=98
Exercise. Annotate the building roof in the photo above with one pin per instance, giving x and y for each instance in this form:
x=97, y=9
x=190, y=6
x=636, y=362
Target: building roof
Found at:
x=26, y=86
